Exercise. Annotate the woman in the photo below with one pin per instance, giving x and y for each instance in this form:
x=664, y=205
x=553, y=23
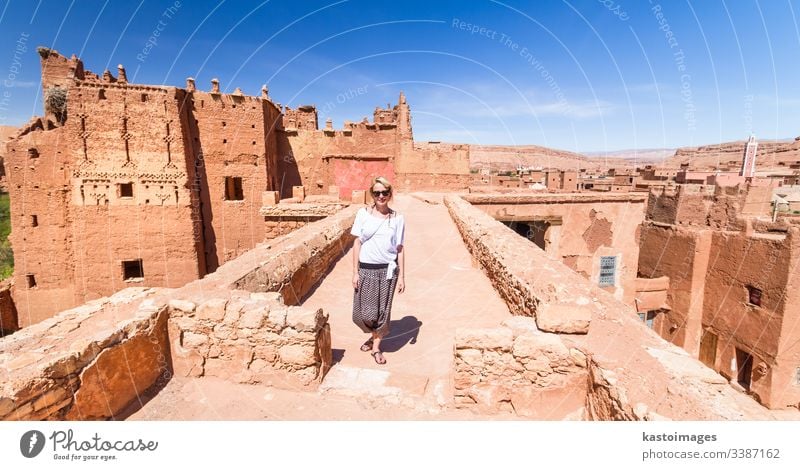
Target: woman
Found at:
x=378, y=265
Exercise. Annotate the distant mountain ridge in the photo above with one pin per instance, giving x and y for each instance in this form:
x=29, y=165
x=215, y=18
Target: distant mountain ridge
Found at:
x=508, y=158
x=770, y=154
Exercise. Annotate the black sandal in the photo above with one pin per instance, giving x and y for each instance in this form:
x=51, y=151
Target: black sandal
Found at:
x=382, y=359
x=367, y=346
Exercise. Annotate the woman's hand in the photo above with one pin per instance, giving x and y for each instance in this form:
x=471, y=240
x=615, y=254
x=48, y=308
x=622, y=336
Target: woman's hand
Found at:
x=355, y=281
x=401, y=285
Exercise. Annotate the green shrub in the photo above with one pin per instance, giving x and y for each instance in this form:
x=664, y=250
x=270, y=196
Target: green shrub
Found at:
x=6, y=255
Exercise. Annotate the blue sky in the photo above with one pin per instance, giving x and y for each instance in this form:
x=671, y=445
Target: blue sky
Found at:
x=588, y=75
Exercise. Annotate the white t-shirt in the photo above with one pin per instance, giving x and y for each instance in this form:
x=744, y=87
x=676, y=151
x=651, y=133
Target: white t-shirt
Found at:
x=379, y=238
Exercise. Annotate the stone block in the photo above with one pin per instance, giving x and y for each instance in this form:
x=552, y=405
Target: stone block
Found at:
x=185, y=362
x=550, y=403
x=213, y=310
x=520, y=325
x=470, y=357
x=297, y=354
x=6, y=406
x=183, y=306
x=270, y=198
x=305, y=319
x=359, y=196
x=233, y=311
x=225, y=332
x=253, y=318
x=299, y=193
x=51, y=397
x=220, y=367
x=464, y=381
x=121, y=374
x=484, y=338
x=489, y=396
x=50, y=412
x=564, y=318
x=578, y=357
x=266, y=352
x=272, y=297
x=307, y=376
x=539, y=345
x=192, y=340
x=23, y=412
x=324, y=350
x=333, y=191
x=276, y=319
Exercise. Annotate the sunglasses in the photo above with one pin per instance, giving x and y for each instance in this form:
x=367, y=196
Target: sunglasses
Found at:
x=385, y=193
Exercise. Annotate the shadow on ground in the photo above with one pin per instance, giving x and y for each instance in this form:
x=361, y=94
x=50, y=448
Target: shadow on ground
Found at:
x=401, y=332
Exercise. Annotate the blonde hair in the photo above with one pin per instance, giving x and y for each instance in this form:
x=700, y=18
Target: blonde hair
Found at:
x=386, y=184
x=380, y=179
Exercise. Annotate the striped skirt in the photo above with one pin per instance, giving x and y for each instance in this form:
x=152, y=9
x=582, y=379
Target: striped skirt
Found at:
x=372, y=301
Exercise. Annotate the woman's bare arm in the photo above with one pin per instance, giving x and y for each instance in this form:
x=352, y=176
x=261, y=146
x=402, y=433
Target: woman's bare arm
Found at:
x=401, y=264
x=356, y=252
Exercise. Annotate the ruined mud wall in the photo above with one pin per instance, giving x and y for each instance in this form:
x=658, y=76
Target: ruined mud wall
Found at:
x=130, y=172
x=433, y=182
x=39, y=188
x=96, y=182
x=682, y=255
x=233, y=136
x=590, y=226
x=550, y=293
x=130, y=186
x=715, y=206
x=292, y=269
x=281, y=219
x=605, y=401
x=518, y=367
x=687, y=205
x=786, y=371
x=347, y=158
x=96, y=361
x=249, y=338
x=764, y=262
x=433, y=166
x=8, y=310
x=86, y=363
x=642, y=376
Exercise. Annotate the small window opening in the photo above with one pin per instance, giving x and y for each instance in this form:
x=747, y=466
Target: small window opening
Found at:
x=126, y=190
x=101, y=94
x=144, y=97
x=608, y=268
x=132, y=269
x=33, y=153
x=34, y=221
x=31, y=280
x=754, y=295
x=233, y=188
x=224, y=141
x=224, y=124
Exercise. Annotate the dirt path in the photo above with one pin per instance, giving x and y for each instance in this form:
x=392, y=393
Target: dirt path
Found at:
x=443, y=292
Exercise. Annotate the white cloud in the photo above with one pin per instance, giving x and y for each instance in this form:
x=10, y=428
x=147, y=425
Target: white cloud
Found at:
x=501, y=102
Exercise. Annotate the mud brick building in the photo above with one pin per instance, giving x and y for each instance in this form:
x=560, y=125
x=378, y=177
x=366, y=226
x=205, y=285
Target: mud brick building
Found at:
x=122, y=184
x=731, y=285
